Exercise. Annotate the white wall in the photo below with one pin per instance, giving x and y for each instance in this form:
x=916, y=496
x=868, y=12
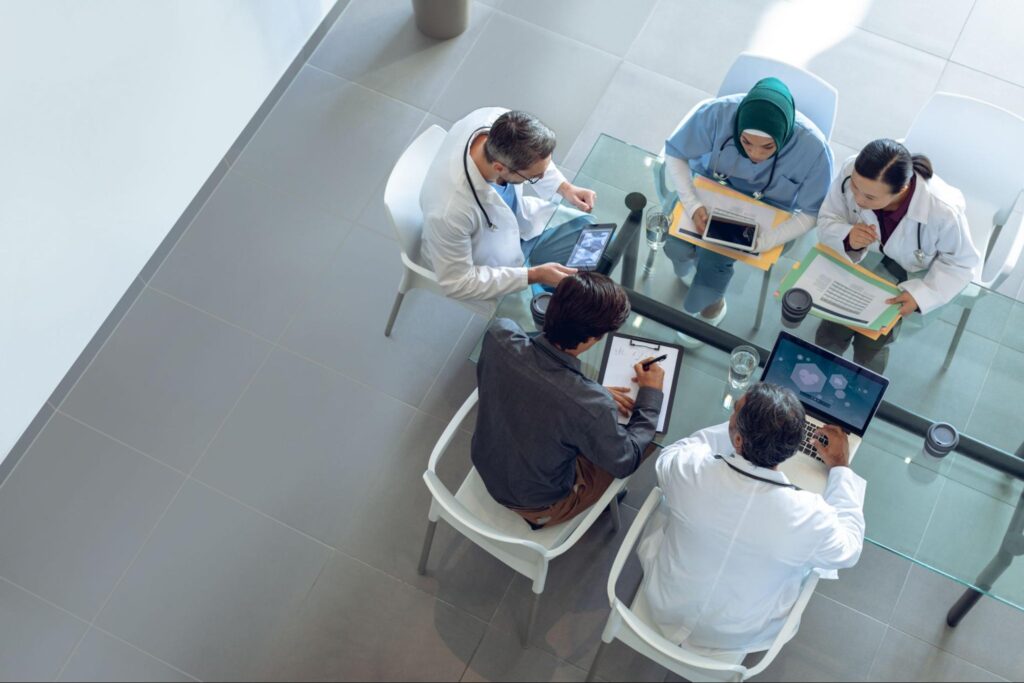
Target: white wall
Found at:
x=112, y=115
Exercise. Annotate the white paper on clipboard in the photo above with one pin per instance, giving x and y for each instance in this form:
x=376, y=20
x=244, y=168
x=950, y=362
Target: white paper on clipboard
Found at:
x=624, y=353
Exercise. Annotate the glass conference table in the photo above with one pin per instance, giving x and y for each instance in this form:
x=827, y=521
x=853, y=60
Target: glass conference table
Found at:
x=963, y=515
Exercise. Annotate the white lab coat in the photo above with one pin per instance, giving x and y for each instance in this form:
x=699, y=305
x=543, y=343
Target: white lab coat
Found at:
x=726, y=561
x=950, y=261
x=474, y=262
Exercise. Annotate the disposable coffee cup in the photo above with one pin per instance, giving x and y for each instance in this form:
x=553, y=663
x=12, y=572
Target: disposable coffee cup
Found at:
x=941, y=439
x=539, y=308
x=796, y=304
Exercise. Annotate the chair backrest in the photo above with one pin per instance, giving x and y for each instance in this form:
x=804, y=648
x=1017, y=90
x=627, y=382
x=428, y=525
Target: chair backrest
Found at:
x=815, y=98
x=402, y=193
x=976, y=147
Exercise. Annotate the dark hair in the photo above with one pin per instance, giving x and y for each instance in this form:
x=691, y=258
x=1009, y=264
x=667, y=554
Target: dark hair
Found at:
x=518, y=140
x=771, y=423
x=585, y=305
x=892, y=163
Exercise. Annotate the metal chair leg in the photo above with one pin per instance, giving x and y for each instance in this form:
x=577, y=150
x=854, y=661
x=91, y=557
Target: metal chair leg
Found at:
x=765, y=283
x=394, y=313
x=616, y=516
x=960, y=327
x=592, y=674
x=531, y=618
x=425, y=553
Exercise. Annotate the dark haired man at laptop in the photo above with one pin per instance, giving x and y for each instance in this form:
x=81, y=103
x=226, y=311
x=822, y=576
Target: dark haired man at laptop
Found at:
x=725, y=565
x=548, y=442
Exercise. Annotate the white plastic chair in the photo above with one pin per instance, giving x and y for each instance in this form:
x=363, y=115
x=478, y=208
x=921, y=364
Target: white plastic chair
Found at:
x=634, y=626
x=815, y=98
x=498, y=530
x=977, y=147
x=402, y=200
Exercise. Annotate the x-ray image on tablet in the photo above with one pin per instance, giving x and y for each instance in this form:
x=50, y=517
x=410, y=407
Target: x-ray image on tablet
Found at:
x=590, y=247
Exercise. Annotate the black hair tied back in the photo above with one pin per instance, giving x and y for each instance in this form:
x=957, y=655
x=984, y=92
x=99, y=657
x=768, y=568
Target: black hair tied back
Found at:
x=888, y=161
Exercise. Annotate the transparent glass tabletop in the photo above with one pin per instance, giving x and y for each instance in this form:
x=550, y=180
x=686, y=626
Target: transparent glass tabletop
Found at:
x=952, y=515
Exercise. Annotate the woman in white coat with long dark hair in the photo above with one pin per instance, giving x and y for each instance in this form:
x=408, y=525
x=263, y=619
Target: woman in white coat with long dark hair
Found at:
x=889, y=201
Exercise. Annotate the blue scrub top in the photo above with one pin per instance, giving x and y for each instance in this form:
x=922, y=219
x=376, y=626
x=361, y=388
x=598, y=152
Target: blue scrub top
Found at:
x=508, y=193
x=803, y=172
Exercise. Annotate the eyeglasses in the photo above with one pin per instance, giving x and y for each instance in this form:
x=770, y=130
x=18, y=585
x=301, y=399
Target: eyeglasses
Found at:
x=533, y=181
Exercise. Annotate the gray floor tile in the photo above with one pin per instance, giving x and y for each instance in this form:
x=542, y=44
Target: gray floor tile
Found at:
x=1013, y=336
x=841, y=153
x=251, y=255
x=103, y=658
x=905, y=658
x=962, y=80
x=211, y=589
x=606, y=24
x=909, y=77
x=663, y=101
x=166, y=379
x=35, y=638
x=300, y=449
x=996, y=416
x=75, y=512
x=329, y=142
x=834, y=643
x=374, y=215
x=457, y=379
x=873, y=586
x=343, y=323
x=901, y=21
x=501, y=657
x=561, y=100
x=989, y=42
x=988, y=637
x=359, y=624
x=376, y=43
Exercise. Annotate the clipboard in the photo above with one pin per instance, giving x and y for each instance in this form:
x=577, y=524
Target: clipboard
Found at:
x=680, y=222
x=623, y=351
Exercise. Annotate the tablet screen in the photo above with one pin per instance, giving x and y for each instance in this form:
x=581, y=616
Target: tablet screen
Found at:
x=732, y=231
x=589, y=248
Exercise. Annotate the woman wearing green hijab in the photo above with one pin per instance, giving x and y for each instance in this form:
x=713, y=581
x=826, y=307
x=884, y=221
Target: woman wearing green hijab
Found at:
x=757, y=143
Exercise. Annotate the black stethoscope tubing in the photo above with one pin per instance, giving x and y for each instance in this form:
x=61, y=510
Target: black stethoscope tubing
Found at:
x=755, y=477
x=724, y=179
x=919, y=252
x=465, y=167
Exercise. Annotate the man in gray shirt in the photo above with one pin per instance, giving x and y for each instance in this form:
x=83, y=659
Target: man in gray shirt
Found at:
x=548, y=442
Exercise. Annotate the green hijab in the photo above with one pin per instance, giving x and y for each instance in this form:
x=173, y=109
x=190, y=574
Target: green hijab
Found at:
x=768, y=107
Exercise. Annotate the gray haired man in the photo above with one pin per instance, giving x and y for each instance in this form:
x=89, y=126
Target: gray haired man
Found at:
x=479, y=228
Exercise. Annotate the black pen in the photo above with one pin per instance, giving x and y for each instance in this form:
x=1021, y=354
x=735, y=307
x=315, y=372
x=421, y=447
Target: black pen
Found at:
x=648, y=363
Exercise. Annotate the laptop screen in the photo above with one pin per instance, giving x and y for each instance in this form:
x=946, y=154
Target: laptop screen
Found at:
x=831, y=388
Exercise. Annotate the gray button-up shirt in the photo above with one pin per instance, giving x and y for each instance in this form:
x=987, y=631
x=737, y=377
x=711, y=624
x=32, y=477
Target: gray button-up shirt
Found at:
x=537, y=413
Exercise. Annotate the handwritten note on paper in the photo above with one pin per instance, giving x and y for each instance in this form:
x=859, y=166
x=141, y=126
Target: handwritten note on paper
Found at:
x=621, y=357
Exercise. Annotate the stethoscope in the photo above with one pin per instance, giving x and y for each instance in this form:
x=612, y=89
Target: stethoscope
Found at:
x=919, y=252
x=755, y=477
x=465, y=167
x=723, y=179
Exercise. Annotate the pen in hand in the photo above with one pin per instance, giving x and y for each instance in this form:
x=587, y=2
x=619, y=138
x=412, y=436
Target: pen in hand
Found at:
x=648, y=363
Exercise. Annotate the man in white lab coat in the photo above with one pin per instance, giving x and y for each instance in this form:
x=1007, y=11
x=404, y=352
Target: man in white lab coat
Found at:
x=477, y=222
x=726, y=563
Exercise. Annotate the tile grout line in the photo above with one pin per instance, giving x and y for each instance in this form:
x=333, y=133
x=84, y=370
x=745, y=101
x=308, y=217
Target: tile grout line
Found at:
x=119, y=442
x=441, y=90
x=451, y=354
x=960, y=35
x=944, y=651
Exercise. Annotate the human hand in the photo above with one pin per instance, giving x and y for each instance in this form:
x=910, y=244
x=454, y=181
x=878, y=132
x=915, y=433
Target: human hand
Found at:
x=862, y=236
x=580, y=197
x=549, y=274
x=623, y=400
x=653, y=377
x=837, y=452
x=907, y=302
x=700, y=220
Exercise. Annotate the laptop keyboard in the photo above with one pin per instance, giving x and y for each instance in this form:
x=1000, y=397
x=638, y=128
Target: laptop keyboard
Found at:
x=807, y=445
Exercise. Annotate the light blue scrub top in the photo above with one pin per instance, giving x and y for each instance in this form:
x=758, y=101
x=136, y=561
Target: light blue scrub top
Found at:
x=508, y=193
x=803, y=173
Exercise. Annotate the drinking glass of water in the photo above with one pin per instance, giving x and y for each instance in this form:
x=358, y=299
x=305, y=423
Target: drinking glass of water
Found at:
x=742, y=366
x=657, y=230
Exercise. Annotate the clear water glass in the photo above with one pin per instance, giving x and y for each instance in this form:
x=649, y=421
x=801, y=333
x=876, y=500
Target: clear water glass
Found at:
x=743, y=365
x=657, y=229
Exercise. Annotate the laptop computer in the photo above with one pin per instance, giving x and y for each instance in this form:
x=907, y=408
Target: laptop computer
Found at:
x=833, y=390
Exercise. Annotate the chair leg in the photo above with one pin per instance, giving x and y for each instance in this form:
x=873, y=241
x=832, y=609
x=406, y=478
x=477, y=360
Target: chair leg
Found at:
x=592, y=674
x=425, y=553
x=403, y=287
x=616, y=516
x=531, y=619
x=766, y=282
x=960, y=327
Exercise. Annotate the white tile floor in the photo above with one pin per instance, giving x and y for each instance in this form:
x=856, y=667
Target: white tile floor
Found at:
x=232, y=490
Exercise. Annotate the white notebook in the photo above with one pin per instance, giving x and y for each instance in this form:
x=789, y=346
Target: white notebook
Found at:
x=623, y=352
